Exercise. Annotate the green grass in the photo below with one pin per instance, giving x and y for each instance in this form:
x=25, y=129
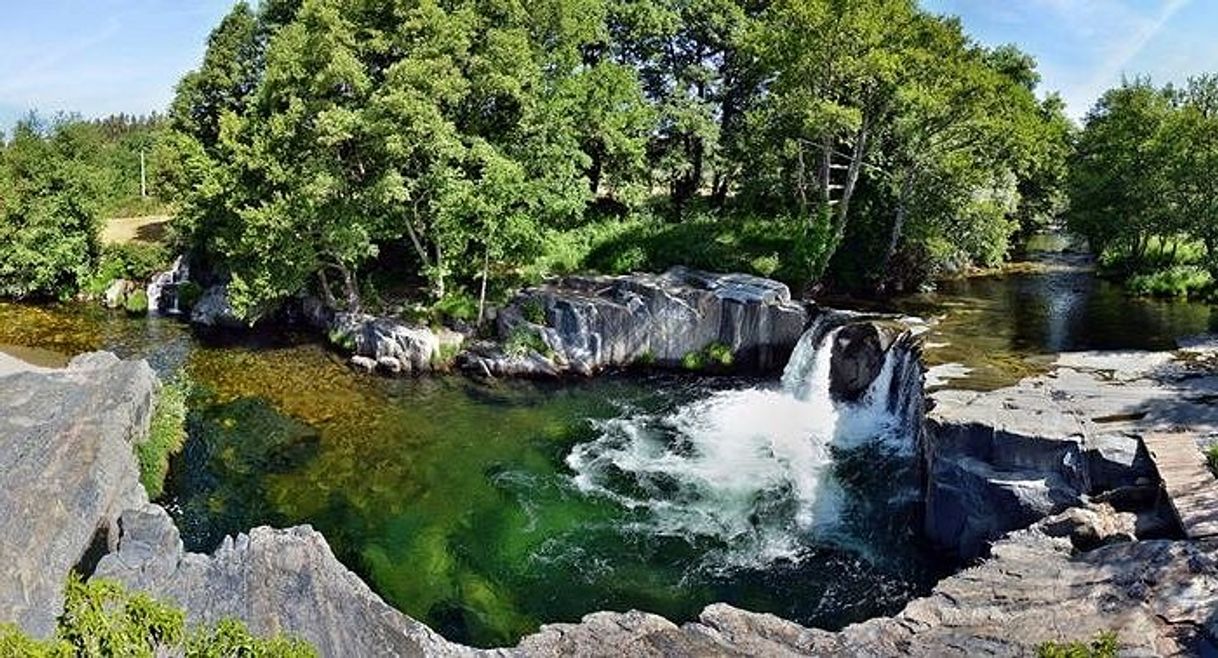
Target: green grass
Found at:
x=101, y=618
x=166, y=435
x=1105, y=645
x=524, y=340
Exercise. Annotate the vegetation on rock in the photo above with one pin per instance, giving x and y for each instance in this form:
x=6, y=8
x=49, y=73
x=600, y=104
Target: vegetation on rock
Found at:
x=166, y=435
x=101, y=618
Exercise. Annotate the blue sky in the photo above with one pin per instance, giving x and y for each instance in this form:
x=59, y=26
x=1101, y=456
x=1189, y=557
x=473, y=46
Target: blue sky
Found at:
x=98, y=57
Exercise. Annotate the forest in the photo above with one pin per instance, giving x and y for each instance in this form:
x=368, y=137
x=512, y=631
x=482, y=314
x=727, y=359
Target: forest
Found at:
x=444, y=151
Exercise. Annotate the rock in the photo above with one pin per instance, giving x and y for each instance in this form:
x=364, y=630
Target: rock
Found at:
x=596, y=322
x=1158, y=597
x=999, y=461
x=67, y=472
x=116, y=293
x=276, y=581
x=214, y=310
x=857, y=358
x=364, y=363
x=1091, y=526
x=394, y=346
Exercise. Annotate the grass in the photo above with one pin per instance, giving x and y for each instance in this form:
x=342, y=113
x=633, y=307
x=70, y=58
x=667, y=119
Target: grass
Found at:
x=166, y=435
x=715, y=356
x=101, y=618
x=524, y=340
x=1105, y=645
x=1171, y=267
x=137, y=303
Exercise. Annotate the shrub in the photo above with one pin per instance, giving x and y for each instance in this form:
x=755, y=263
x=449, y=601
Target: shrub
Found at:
x=455, y=306
x=524, y=340
x=342, y=340
x=693, y=361
x=533, y=311
x=1211, y=458
x=101, y=618
x=1104, y=645
x=166, y=435
x=719, y=354
x=1175, y=281
x=137, y=303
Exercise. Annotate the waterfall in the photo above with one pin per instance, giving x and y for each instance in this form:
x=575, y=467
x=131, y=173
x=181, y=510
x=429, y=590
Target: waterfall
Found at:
x=752, y=469
x=163, y=288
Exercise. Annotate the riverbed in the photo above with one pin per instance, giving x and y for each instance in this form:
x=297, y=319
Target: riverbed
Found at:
x=488, y=509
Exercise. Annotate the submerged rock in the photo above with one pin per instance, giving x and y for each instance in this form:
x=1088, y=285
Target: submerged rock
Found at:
x=682, y=318
x=67, y=472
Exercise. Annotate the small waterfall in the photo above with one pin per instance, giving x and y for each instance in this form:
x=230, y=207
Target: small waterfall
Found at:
x=163, y=288
x=752, y=469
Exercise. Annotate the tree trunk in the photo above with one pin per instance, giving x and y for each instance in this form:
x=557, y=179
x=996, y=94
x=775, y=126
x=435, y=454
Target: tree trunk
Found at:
x=852, y=179
x=596, y=171
x=486, y=267
x=326, y=295
x=438, y=284
x=898, y=224
x=351, y=289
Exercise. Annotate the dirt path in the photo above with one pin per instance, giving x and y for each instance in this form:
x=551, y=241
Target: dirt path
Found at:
x=150, y=229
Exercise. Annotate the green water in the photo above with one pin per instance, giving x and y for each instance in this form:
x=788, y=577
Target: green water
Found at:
x=452, y=498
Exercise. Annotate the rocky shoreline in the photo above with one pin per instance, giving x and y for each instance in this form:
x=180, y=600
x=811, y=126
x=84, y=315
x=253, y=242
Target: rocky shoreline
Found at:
x=1045, y=481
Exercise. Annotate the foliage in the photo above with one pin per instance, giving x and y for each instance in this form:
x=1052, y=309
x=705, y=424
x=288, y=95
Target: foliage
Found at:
x=1105, y=645
x=1211, y=459
x=101, y=618
x=49, y=210
x=137, y=303
x=715, y=356
x=1141, y=190
x=456, y=305
x=524, y=341
x=189, y=294
x=505, y=144
x=1174, y=281
x=166, y=435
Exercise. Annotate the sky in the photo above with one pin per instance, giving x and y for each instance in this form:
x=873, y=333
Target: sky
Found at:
x=98, y=57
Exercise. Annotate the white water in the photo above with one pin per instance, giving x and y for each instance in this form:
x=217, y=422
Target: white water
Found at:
x=167, y=282
x=752, y=468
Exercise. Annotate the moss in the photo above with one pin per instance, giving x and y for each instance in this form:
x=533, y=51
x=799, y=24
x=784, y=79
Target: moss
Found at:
x=137, y=303
x=101, y=618
x=1104, y=645
x=166, y=435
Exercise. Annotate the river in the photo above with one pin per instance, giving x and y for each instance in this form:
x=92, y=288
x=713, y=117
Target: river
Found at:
x=486, y=510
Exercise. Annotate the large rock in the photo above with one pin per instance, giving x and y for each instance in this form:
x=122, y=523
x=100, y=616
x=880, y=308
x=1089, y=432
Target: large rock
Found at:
x=859, y=352
x=67, y=472
x=588, y=323
x=1001, y=460
x=277, y=581
x=213, y=309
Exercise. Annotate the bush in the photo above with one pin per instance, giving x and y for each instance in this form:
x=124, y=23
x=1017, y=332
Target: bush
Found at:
x=1175, y=281
x=458, y=306
x=524, y=340
x=1104, y=645
x=132, y=261
x=719, y=354
x=1211, y=458
x=166, y=435
x=533, y=311
x=137, y=302
x=101, y=618
x=693, y=361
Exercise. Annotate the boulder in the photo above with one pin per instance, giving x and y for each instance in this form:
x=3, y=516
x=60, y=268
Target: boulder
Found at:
x=590, y=323
x=858, y=355
x=213, y=309
x=67, y=472
x=116, y=293
x=1090, y=526
x=394, y=347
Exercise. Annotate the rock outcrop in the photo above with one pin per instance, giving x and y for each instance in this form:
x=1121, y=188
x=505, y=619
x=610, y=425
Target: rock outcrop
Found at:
x=214, y=310
x=276, y=581
x=392, y=346
x=67, y=472
x=1001, y=460
x=582, y=324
